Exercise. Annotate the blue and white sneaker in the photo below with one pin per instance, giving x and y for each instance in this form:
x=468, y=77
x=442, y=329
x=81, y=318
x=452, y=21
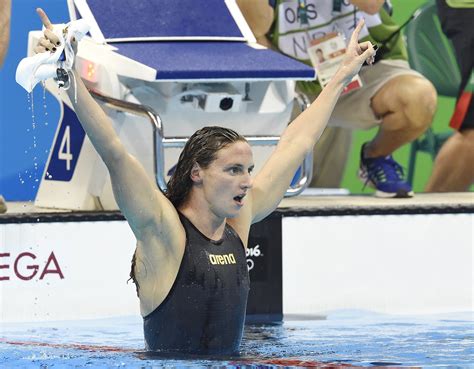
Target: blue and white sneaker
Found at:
x=385, y=175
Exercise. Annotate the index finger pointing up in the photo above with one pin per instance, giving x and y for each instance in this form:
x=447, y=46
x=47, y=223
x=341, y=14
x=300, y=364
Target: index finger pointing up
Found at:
x=44, y=19
x=355, y=34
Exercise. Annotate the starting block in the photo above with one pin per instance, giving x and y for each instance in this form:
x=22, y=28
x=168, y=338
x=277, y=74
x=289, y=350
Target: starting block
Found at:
x=167, y=69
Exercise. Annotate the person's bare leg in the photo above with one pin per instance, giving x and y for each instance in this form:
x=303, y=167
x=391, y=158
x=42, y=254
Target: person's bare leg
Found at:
x=453, y=169
x=407, y=105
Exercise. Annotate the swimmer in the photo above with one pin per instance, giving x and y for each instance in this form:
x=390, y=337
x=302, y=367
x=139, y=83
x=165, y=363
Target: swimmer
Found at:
x=189, y=264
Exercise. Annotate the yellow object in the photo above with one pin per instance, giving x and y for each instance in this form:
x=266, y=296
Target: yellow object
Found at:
x=460, y=3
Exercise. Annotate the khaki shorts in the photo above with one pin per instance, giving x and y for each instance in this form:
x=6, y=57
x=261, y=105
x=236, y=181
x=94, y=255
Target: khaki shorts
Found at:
x=354, y=109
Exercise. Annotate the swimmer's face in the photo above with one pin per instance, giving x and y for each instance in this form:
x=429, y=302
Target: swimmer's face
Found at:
x=227, y=179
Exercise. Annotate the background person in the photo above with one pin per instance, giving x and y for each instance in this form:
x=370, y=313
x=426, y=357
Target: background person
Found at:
x=189, y=263
x=398, y=100
x=454, y=165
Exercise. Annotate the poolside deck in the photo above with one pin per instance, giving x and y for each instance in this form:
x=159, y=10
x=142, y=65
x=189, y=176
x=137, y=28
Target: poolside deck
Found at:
x=311, y=202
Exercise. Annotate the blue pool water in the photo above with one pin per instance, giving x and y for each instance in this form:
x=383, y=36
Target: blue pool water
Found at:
x=346, y=337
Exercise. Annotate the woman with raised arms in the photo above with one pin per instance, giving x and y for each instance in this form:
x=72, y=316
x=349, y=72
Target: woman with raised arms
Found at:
x=189, y=265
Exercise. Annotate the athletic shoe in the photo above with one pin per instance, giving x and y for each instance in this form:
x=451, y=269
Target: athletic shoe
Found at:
x=385, y=175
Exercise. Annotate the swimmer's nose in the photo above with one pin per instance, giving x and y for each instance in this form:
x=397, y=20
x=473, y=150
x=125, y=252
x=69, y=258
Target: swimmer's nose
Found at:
x=248, y=183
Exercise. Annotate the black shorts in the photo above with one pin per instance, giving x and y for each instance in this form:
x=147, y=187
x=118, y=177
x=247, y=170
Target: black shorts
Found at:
x=457, y=24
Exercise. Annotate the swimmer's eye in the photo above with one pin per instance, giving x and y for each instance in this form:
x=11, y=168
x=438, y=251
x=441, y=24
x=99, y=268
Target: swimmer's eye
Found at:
x=235, y=170
x=239, y=169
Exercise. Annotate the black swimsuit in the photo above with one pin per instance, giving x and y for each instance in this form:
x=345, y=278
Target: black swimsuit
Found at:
x=204, y=312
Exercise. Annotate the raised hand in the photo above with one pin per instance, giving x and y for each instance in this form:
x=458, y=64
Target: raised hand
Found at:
x=50, y=41
x=356, y=54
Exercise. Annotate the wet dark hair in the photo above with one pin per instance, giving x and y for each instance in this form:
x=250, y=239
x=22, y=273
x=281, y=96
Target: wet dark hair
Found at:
x=201, y=148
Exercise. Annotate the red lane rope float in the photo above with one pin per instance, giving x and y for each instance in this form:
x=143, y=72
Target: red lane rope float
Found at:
x=295, y=362
x=76, y=346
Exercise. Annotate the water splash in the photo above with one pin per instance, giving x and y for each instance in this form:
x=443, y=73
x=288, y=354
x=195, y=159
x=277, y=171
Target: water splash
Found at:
x=45, y=106
x=34, y=176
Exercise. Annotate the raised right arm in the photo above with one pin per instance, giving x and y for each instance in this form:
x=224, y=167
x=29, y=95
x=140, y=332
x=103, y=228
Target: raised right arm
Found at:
x=138, y=197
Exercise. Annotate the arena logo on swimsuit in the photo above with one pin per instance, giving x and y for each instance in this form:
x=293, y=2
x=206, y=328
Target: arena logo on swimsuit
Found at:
x=24, y=269
x=222, y=259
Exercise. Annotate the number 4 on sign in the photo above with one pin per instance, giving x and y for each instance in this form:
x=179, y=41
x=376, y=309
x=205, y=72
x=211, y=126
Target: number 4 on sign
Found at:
x=66, y=144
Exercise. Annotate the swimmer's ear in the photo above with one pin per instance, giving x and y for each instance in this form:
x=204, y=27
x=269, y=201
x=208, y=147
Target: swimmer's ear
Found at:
x=196, y=174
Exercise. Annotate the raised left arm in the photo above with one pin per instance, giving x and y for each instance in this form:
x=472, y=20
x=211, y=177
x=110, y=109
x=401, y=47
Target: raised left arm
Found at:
x=299, y=137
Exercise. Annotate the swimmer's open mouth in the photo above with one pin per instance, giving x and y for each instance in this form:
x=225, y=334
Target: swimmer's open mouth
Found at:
x=239, y=198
